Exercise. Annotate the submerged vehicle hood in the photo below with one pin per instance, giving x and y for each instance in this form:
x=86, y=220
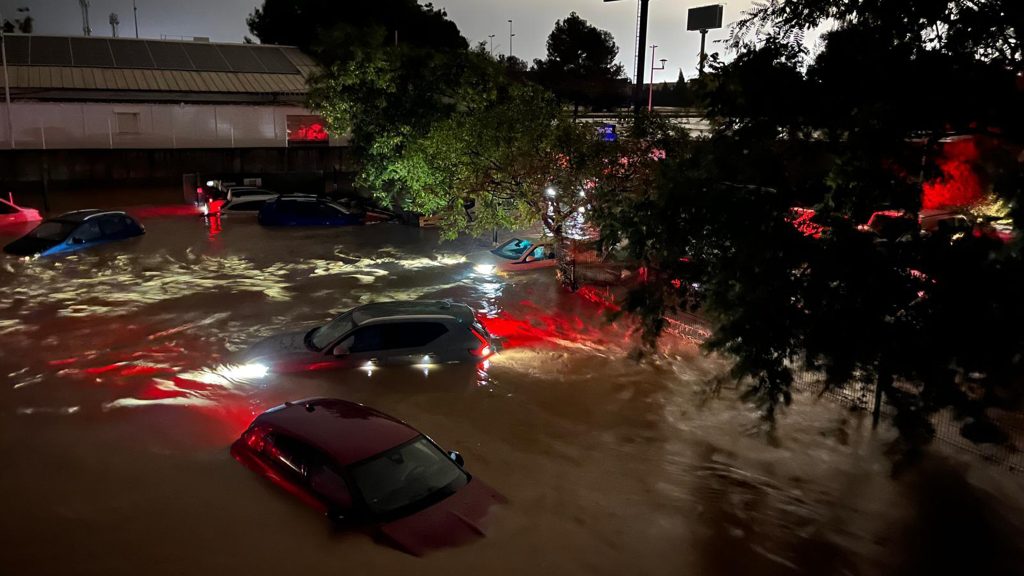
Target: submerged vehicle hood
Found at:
x=27, y=246
x=458, y=519
x=281, y=347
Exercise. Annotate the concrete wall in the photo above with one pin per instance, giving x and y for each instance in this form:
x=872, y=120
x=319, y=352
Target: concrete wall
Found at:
x=58, y=180
x=47, y=125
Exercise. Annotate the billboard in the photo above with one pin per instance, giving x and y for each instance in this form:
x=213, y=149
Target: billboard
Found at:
x=704, y=17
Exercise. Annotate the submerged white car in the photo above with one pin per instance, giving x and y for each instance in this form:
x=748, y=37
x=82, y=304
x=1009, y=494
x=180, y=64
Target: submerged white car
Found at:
x=515, y=255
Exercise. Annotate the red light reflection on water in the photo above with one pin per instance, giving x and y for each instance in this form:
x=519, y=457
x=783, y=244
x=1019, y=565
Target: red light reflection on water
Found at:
x=537, y=328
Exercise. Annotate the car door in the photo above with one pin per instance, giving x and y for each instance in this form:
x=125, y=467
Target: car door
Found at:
x=87, y=233
x=360, y=347
x=113, y=227
x=411, y=343
x=541, y=256
x=288, y=463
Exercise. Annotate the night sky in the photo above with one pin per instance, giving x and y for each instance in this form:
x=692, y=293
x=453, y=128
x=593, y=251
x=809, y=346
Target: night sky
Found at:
x=224, y=21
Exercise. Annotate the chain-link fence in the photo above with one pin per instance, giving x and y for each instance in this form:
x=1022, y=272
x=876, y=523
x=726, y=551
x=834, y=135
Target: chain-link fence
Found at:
x=948, y=428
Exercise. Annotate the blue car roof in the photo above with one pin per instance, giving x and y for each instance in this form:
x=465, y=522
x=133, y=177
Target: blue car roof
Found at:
x=83, y=215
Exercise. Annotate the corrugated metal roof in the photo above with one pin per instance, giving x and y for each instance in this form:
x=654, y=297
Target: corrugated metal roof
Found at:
x=56, y=77
x=28, y=78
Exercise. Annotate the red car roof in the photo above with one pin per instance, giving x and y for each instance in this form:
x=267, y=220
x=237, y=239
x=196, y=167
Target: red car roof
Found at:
x=346, y=431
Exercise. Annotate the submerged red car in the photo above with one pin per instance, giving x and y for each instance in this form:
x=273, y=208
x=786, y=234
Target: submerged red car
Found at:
x=369, y=471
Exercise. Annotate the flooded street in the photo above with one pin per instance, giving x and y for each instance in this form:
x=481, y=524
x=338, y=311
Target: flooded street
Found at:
x=122, y=392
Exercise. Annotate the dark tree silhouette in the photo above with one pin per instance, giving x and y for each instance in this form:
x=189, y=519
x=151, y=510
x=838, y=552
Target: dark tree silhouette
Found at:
x=331, y=30
x=24, y=25
x=580, y=67
x=933, y=320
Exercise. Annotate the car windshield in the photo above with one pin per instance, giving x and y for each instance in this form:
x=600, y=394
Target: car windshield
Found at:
x=323, y=336
x=407, y=475
x=513, y=249
x=53, y=230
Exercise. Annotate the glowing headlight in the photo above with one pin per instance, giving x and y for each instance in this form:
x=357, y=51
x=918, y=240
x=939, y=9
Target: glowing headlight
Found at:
x=205, y=210
x=484, y=268
x=246, y=372
x=210, y=183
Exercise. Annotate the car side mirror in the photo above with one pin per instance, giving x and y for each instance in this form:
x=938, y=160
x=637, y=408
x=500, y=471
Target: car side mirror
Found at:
x=341, y=350
x=457, y=458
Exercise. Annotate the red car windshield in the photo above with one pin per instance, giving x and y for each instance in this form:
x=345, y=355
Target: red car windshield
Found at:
x=407, y=476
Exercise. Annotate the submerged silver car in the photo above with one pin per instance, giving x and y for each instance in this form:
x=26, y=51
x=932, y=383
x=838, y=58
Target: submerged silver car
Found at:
x=382, y=334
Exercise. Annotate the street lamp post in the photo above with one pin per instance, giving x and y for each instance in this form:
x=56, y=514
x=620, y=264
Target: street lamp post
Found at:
x=491, y=49
x=510, y=37
x=650, y=94
x=135, y=12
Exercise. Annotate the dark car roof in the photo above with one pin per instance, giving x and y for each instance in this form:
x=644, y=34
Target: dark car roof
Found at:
x=413, y=308
x=346, y=431
x=83, y=215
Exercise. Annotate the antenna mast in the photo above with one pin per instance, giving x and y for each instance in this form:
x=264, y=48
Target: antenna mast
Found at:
x=85, y=17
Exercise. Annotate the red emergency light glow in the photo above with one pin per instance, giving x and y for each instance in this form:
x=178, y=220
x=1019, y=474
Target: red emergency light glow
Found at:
x=959, y=186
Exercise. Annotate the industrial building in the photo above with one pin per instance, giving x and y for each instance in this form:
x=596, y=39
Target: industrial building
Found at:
x=89, y=111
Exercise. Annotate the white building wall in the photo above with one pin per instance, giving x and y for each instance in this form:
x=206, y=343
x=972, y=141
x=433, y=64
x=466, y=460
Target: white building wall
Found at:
x=39, y=125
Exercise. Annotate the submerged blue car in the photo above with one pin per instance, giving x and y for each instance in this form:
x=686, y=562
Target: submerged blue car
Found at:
x=303, y=210
x=75, y=231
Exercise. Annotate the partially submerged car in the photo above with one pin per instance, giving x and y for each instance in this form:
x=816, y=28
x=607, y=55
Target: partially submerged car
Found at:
x=515, y=255
x=367, y=470
x=74, y=231
x=248, y=200
x=305, y=210
x=382, y=334
x=11, y=213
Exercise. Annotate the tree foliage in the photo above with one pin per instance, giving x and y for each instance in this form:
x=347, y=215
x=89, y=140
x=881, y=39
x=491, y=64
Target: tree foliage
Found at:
x=580, y=67
x=23, y=25
x=332, y=31
x=858, y=129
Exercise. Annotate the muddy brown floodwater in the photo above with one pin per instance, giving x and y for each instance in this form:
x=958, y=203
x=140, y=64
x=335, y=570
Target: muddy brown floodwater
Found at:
x=120, y=397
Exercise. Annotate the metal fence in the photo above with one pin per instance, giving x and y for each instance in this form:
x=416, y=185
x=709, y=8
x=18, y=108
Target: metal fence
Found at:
x=861, y=395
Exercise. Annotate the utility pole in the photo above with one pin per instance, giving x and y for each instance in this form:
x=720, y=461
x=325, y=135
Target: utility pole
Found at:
x=7, y=83
x=491, y=49
x=641, y=30
x=650, y=95
x=510, y=37
x=135, y=12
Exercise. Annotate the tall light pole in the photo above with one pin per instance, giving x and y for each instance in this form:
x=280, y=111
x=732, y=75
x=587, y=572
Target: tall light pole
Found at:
x=641, y=44
x=7, y=83
x=510, y=37
x=650, y=95
x=491, y=49
x=86, y=29
x=135, y=12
